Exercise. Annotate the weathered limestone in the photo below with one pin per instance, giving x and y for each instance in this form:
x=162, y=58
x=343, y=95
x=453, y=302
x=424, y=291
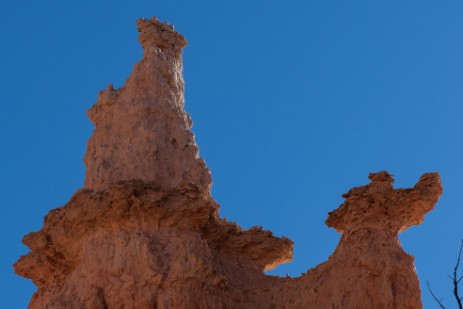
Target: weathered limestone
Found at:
x=145, y=232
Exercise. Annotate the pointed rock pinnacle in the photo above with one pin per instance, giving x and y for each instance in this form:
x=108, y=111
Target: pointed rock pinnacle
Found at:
x=142, y=130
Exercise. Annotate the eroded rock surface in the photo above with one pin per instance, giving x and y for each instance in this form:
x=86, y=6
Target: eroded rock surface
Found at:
x=145, y=232
x=142, y=130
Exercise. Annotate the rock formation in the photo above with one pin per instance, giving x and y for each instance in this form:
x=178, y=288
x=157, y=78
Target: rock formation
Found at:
x=142, y=131
x=145, y=232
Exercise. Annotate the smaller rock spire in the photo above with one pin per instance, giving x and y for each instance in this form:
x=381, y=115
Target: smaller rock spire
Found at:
x=379, y=206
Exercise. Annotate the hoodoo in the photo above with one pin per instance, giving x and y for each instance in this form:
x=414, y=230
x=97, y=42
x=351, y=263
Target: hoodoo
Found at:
x=142, y=130
x=144, y=232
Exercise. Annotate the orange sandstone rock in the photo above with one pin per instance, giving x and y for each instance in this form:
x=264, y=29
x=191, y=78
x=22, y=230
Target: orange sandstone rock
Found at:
x=145, y=232
x=134, y=245
x=142, y=130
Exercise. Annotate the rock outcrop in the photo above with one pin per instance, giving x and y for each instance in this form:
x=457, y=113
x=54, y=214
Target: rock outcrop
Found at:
x=142, y=130
x=145, y=232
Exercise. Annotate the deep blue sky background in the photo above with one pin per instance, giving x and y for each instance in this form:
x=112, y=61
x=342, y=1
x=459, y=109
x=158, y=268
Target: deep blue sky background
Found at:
x=294, y=103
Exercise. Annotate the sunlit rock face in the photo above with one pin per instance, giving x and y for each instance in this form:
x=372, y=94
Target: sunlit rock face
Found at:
x=369, y=268
x=145, y=232
x=142, y=130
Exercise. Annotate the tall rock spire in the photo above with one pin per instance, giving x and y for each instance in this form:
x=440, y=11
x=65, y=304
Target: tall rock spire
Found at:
x=142, y=130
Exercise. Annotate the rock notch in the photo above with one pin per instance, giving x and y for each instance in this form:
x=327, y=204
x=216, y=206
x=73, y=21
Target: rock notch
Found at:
x=145, y=232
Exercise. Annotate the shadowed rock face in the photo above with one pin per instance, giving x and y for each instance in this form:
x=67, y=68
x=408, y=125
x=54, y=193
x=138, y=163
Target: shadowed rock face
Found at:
x=145, y=232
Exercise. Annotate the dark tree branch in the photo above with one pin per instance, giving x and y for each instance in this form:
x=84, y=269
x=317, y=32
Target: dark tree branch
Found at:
x=455, y=280
x=434, y=296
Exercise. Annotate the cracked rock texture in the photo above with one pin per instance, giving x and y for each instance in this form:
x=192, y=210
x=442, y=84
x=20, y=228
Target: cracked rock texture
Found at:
x=145, y=232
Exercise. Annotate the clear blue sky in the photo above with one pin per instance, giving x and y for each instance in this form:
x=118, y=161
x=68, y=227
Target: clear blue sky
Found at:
x=293, y=105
